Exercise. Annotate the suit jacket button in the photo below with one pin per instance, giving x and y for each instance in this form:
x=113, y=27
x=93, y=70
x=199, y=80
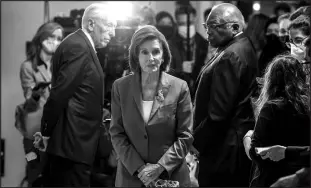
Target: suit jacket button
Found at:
x=145, y=136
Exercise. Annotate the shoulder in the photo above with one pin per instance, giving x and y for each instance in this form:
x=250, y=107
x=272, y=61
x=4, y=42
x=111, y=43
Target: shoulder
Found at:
x=176, y=82
x=124, y=80
x=26, y=66
x=73, y=41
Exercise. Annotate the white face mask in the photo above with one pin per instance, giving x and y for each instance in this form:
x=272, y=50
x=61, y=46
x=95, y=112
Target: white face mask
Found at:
x=182, y=30
x=50, y=45
x=297, y=52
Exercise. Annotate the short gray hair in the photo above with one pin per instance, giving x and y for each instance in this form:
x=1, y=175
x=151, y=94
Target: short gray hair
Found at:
x=95, y=11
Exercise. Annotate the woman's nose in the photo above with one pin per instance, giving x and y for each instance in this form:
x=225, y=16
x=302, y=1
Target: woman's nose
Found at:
x=151, y=57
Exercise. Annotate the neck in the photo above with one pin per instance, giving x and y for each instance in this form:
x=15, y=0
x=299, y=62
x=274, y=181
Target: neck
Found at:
x=46, y=58
x=149, y=78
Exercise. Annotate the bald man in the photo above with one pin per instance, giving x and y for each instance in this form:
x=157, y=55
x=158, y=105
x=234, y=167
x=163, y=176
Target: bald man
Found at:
x=73, y=112
x=222, y=107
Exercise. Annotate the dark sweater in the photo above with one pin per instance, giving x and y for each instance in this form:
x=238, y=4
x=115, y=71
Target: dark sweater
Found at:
x=277, y=125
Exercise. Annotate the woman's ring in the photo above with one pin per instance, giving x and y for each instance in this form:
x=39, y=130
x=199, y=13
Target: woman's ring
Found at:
x=148, y=175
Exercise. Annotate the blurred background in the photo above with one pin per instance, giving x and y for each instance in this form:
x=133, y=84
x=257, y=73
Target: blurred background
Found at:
x=21, y=19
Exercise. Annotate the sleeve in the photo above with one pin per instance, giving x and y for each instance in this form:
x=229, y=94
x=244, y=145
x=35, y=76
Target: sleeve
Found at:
x=178, y=151
x=71, y=64
x=27, y=80
x=264, y=129
x=223, y=94
x=120, y=141
x=300, y=155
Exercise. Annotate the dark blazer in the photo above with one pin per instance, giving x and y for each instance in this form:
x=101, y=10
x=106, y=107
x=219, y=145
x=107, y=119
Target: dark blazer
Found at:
x=178, y=51
x=165, y=139
x=223, y=113
x=278, y=125
x=72, y=114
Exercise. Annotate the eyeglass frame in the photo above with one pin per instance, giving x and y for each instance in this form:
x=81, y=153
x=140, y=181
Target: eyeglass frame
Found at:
x=297, y=45
x=206, y=26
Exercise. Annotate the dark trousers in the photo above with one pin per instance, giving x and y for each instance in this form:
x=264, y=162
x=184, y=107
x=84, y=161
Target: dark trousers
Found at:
x=208, y=177
x=67, y=173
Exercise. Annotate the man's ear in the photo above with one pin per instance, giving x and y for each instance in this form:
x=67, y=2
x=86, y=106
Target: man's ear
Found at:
x=235, y=28
x=90, y=24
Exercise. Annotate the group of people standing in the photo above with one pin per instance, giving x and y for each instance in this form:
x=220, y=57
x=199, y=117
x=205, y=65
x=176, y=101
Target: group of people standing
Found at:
x=156, y=118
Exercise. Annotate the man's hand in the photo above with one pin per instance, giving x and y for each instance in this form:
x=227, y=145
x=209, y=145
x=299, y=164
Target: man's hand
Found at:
x=41, y=142
x=274, y=153
x=150, y=173
x=187, y=66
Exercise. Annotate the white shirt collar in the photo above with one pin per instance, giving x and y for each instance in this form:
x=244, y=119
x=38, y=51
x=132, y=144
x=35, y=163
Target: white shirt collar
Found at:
x=89, y=37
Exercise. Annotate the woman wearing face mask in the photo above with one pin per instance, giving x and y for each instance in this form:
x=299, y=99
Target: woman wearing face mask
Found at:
x=151, y=116
x=166, y=24
x=37, y=69
x=299, y=30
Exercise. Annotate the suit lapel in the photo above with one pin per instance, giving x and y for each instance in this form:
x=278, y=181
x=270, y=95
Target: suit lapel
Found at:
x=163, y=89
x=95, y=60
x=43, y=71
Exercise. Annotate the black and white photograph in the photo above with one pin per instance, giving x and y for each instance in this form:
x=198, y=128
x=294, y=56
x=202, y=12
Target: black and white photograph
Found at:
x=155, y=93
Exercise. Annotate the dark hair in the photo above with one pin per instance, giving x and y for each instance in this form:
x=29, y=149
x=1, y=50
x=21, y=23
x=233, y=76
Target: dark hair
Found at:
x=305, y=10
x=164, y=14
x=282, y=6
x=33, y=51
x=284, y=16
x=184, y=9
x=284, y=80
x=255, y=27
x=145, y=33
x=271, y=21
x=302, y=23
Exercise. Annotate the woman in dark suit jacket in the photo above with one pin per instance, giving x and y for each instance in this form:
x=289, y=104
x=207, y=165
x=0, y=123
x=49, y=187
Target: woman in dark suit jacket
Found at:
x=282, y=118
x=151, y=125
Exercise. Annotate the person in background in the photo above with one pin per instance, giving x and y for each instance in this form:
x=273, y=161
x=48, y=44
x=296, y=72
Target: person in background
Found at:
x=282, y=118
x=281, y=8
x=165, y=24
x=151, y=116
x=283, y=30
x=299, y=31
x=255, y=31
x=222, y=105
x=72, y=115
x=273, y=45
x=147, y=16
x=187, y=61
x=37, y=69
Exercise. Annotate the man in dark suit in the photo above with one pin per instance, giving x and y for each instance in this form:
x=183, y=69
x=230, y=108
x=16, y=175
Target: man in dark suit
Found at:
x=73, y=112
x=223, y=111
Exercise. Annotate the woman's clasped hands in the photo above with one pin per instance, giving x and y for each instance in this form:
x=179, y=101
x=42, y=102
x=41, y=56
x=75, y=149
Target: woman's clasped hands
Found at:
x=150, y=173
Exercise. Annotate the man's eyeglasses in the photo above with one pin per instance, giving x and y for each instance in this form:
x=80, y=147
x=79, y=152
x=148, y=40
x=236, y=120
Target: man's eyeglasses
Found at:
x=298, y=42
x=207, y=27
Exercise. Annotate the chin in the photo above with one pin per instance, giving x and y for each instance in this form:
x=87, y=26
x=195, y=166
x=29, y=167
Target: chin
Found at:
x=102, y=45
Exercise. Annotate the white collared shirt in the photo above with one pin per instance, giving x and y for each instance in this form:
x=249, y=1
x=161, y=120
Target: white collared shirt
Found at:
x=89, y=37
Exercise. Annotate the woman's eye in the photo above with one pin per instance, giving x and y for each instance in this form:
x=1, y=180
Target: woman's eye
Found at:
x=144, y=52
x=156, y=52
